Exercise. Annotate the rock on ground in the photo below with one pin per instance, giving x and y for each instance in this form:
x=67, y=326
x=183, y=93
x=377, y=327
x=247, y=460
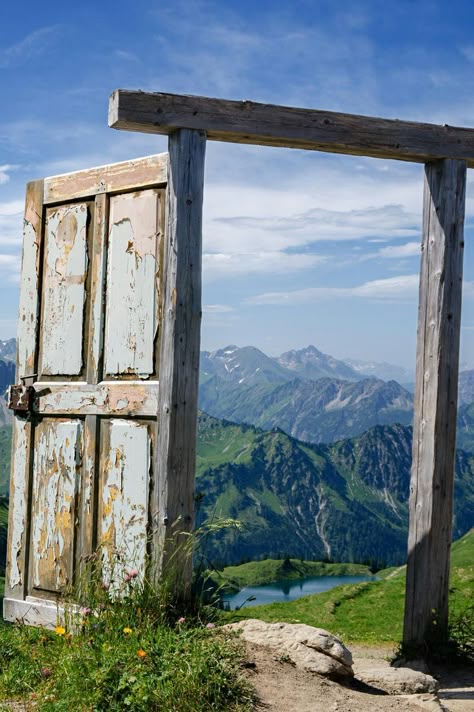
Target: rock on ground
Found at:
x=311, y=649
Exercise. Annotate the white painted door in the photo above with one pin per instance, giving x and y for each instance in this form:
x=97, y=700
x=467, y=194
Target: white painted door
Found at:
x=88, y=340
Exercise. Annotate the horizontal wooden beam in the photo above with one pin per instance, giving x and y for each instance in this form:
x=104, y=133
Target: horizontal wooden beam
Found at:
x=269, y=125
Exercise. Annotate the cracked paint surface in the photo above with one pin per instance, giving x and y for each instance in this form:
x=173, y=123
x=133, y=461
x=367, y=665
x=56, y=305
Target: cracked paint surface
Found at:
x=18, y=501
x=65, y=274
x=56, y=483
x=123, y=398
x=124, y=499
x=132, y=283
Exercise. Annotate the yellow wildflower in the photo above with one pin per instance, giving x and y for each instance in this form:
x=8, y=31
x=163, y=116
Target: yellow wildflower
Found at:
x=141, y=653
x=60, y=630
x=127, y=630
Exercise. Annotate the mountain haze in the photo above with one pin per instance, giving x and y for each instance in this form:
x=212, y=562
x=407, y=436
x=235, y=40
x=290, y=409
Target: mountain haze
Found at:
x=314, y=411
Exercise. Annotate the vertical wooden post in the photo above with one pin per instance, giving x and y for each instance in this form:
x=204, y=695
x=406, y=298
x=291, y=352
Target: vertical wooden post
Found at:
x=172, y=504
x=434, y=430
x=18, y=525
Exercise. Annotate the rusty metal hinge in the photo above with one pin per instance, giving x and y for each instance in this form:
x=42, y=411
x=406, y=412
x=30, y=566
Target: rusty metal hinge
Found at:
x=21, y=397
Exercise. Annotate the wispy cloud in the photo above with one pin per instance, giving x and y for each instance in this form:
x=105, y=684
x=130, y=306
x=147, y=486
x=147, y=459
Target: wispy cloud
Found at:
x=4, y=171
x=32, y=45
x=11, y=220
x=222, y=265
x=402, y=287
x=409, y=249
x=217, y=309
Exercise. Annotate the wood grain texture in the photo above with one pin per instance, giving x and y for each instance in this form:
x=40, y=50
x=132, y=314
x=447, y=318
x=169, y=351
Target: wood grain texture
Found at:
x=28, y=323
x=95, y=317
x=113, y=178
x=133, y=273
x=434, y=431
x=269, y=125
x=172, y=504
x=64, y=290
x=57, y=479
x=128, y=398
x=123, y=500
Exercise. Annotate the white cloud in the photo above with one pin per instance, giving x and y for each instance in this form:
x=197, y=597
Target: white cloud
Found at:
x=4, y=170
x=11, y=222
x=221, y=265
x=402, y=287
x=30, y=46
x=409, y=249
x=217, y=309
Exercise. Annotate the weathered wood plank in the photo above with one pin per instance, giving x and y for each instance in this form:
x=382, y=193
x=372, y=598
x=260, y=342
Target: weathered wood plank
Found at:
x=123, y=508
x=30, y=270
x=133, y=271
x=434, y=433
x=57, y=476
x=95, y=338
x=113, y=178
x=65, y=273
x=17, y=546
x=268, y=125
x=106, y=399
x=172, y=505
x=33, y=611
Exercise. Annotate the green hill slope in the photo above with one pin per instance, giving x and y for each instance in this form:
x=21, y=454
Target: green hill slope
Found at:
x=343, y=502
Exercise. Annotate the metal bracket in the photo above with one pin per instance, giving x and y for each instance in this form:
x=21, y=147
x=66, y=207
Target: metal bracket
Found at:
x=21, y=397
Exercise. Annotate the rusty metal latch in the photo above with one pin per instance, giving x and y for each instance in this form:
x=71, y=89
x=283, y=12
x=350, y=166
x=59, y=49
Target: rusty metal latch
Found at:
x=21, y=397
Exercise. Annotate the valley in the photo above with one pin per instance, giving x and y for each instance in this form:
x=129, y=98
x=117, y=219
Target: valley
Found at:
x=307, y=453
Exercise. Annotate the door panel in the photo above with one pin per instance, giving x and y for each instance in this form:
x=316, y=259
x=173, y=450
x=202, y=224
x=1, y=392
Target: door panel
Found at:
x=64, y=290
x=132, y=284
x=123, y=497
x=57, y=477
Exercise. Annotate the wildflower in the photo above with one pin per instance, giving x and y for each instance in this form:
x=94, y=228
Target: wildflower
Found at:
x=131, y=574
x=60, y=630
x=46, y=672
x=84, y=611
x=181, y=620
x=127, y=630
x=211, y=625
x=141, y=653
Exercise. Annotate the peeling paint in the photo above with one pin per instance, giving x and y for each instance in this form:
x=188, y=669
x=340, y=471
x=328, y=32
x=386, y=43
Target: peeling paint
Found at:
x=132, y=291
x=64, y=290
x=18, y=500
x=56, y=483
x=29, y=300
x=124, y=499
x=117, y=398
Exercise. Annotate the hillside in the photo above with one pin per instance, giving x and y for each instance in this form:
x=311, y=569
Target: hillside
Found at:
x=346, y=501
x=319, y=411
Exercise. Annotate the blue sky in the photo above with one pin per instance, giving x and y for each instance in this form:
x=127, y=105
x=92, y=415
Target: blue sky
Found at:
x=299, y=247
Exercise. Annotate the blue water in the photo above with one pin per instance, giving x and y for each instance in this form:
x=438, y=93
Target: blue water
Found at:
x=285, y=590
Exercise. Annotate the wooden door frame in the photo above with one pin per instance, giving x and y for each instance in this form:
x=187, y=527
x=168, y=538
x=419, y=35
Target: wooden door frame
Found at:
x=446, y=152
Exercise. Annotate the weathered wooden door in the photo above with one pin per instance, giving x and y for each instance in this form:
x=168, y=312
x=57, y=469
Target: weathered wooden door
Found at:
x=88, y=343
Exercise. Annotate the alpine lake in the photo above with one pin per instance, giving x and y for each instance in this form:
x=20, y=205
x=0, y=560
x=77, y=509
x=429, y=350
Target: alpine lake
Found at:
x=286, y=590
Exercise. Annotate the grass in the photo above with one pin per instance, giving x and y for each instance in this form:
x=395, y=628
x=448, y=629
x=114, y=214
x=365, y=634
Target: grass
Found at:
x=255, y=573
x=137, y=651
x=372, y=612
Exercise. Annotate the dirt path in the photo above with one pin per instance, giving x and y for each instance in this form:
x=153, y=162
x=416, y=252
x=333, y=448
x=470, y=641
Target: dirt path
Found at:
x=283, y=688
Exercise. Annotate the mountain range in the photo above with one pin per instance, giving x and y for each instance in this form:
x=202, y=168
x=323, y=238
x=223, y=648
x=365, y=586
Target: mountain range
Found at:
x=245, y=385
x=347, y=501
